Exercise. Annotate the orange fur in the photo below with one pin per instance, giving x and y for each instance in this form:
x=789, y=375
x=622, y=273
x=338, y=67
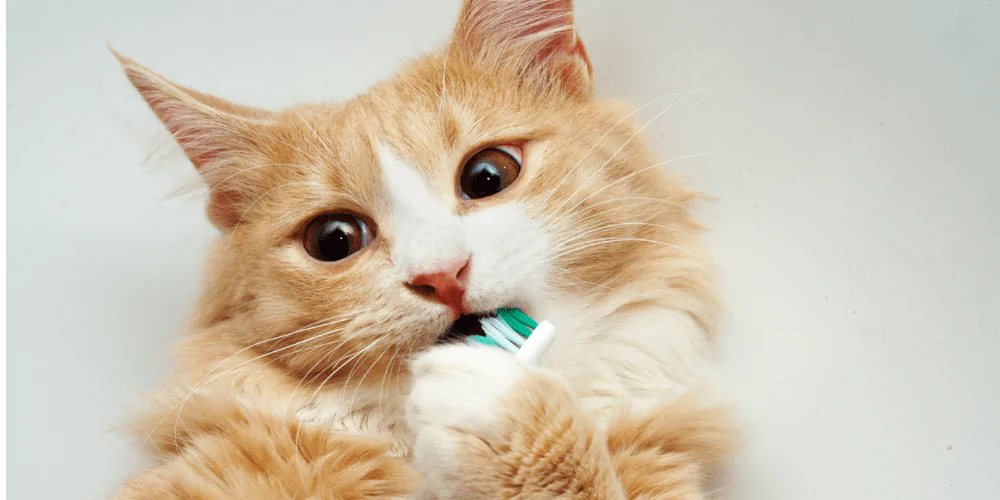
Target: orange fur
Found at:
x=290, y=384
x=669, y=452
x=544, y=447
x=230, y=451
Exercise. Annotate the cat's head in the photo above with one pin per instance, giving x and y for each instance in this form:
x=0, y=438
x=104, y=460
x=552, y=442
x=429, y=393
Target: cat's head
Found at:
x=482, y=175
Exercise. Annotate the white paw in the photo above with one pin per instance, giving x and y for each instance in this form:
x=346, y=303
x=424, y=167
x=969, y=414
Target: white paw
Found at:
x=458, y=393
x=460, y=388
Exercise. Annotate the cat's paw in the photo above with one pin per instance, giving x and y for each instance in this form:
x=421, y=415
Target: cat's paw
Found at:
x=461, y=388
x=459, y=399
x=485, y=426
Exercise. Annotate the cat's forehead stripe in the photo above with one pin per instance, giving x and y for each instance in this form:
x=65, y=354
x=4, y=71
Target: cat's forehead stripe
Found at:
x=406, y=189
x=426, y=233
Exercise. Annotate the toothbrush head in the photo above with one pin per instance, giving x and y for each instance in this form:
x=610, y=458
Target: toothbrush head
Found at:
x=515, y=332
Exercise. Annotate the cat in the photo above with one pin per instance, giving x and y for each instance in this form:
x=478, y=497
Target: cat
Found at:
x=354, y=235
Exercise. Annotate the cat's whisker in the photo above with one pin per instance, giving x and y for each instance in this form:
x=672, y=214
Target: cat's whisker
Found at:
x=633, y=201
x=573, y=227
x=565, y=243
x=294, y=352
x=599, y=285
x=232, y=232
x=619, y=150
x=385, y=376
x=312, y=377
x=444, y=76
x=717, y=490
x=202, y=380
x=290, y=346
x=606, y=241
x=332, y=157
x=350, y=374
x=562, y=236
x=347, y=358
x=334, y=372
x=246, y=170
x=363, y=377
x=629, y=176
x=308, y=404
x=605, y=135
x=259, y=133
x=402, y=365
x=177, y=418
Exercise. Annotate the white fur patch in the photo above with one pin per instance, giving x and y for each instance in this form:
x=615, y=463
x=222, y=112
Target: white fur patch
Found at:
x=361, y=410
x=427, y=236
x=509, y=251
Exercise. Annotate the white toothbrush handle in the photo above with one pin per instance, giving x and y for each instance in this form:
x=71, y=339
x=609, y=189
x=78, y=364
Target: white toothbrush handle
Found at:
x=538, y=342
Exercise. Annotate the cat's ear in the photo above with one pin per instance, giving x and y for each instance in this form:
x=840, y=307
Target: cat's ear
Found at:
x=536, y=35
x=216, y=135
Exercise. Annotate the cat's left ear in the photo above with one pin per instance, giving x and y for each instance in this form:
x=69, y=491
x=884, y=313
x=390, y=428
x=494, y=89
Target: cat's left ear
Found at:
x=538, y=36
x=219, y=137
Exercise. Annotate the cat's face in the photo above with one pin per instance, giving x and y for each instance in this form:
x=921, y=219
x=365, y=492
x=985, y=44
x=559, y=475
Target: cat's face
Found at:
x=482, y=176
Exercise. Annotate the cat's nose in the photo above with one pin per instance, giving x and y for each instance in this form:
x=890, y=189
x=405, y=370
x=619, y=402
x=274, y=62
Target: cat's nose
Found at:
x=445, y=284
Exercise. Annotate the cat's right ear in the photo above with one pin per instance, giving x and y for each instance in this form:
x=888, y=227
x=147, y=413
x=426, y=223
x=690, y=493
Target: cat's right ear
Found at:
x=537, y=37
x=216, y=135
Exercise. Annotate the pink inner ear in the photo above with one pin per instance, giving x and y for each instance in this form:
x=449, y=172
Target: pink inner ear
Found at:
x=541, y=30
x=223, y=208
x=213, y=133
x=201, y=137
x=553, y=15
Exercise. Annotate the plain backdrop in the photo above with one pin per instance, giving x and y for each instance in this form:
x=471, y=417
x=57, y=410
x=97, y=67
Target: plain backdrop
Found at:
x=854, y=159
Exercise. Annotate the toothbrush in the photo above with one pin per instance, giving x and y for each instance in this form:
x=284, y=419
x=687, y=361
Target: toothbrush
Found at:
x=517, y=333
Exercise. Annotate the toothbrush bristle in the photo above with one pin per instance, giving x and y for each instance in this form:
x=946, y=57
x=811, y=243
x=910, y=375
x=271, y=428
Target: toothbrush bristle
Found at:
x=497, y=325
x=515, y=332
x=508, y=329
x=517, y=316
x=480, y=339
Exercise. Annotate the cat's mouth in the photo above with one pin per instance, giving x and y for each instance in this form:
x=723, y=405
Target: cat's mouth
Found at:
x=469, y=324
x=464, y=326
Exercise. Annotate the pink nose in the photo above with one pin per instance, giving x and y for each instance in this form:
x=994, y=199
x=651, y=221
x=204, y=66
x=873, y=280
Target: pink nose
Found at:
x=446, y=285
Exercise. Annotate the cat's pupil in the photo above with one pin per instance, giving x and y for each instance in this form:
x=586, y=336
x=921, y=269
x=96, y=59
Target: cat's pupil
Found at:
x=335, y=241
x=334, y=237
x=484, y=180
x=488, y=172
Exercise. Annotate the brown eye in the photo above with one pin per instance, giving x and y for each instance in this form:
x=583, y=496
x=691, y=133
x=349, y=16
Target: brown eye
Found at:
x=488, y=172
x=333, y=237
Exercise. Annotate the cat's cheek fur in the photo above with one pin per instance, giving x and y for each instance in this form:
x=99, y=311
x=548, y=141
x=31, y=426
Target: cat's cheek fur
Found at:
x=509, y=249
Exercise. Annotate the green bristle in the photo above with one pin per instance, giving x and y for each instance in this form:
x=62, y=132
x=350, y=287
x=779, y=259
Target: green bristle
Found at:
x=524, y=318
x=517, y=320
x=481, y=339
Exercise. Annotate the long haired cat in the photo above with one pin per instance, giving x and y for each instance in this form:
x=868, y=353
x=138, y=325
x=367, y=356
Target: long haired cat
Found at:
x=355, y=235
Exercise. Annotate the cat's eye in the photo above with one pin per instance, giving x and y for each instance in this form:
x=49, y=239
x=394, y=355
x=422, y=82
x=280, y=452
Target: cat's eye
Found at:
x=489, y=171
x=333, y=237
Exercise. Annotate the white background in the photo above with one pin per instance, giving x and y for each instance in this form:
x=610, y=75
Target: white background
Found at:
x=855, y=163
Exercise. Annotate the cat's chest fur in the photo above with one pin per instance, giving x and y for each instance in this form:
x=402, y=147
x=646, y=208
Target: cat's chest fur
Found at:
x=372, y=411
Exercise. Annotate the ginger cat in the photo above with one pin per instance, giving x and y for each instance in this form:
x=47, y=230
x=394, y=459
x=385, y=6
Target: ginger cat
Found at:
x=356, y=234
